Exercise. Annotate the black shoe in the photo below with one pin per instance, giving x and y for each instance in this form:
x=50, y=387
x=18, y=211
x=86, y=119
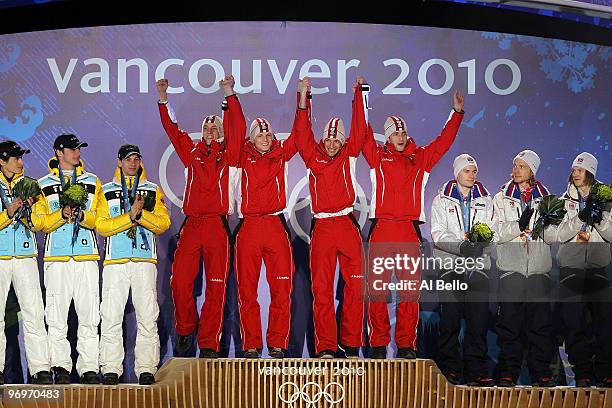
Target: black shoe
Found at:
x=208, y=353
x=406, y=353
x=482, y=382
x=453, y=377
x=62, y=376
x=583, y=382
x=546, y=382
x=327, y=354
x=184, y=344
x=42, y=378
x=506, y=382
x=90, y=377
x=252, y=353
x=110, y=379
x=276, y=352
x=605, y=383
x=1, y=378
x=350, y=352
x=146, y=379
x=379, y=353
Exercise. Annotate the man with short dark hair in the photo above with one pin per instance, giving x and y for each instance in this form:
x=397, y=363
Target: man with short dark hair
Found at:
x=131, y=216
x=71, y=260
x=18, y=266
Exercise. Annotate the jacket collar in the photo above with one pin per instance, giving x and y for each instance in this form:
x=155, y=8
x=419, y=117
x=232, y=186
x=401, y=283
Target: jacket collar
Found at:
x=53, y=166
x=15, y=180
x=512, y=190
x=407, y=152
x=572, y=192
x=451, y=190
x=215, y=147
x=129, y=180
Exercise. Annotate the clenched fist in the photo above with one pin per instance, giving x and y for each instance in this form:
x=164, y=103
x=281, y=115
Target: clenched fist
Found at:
x=458, y=102
x=162, y=88
x=227, y=84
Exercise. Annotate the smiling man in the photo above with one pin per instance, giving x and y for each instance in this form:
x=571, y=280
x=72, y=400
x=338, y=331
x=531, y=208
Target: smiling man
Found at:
x=335, y=233
x=399, y=173
x=263, y=235
x=208, y=201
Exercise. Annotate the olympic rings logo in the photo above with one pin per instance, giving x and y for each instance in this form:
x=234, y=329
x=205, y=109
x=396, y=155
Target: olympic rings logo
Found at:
x=295, y=393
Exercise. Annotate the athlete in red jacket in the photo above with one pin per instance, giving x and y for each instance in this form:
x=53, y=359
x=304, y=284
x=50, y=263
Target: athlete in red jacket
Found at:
x=263, y=234
x=211, y=165
x=398, y=190
x=335, y=233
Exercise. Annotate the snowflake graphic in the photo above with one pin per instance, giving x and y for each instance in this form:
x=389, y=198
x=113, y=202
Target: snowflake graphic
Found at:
x=562, y=60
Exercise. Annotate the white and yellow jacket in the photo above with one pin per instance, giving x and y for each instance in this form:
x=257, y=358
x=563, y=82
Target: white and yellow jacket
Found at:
x=113, y=222
x=14, y=242
x=47, y=216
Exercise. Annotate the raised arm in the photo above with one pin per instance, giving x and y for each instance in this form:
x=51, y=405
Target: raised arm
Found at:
x=304, y=138
x=289, y=145
x=183, y=144
x=428, y=156
x=359, y=127
x=234, y=123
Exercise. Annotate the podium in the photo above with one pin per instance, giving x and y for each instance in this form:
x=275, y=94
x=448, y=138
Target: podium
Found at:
x=307, y=383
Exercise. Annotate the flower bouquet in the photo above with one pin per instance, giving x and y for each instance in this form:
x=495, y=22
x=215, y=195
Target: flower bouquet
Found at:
x=552, y=210
x=481, y=232
x=74, y=196
x=25, y=189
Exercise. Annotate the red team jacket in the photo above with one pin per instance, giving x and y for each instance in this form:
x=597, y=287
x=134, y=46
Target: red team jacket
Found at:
x=210, y=169
x=331, y=179
x=399, y=178
x=263, y=177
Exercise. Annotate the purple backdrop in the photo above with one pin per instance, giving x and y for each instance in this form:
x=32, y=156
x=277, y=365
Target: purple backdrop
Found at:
x=552, y=96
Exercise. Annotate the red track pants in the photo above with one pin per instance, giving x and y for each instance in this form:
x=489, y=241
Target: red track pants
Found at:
x=337, y=239
x=201, y=237
x=402, y=238
x=264, y=238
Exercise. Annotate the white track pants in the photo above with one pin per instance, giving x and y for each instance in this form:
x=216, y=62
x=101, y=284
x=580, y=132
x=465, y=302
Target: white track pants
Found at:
x=117, y=280
x=77, y=281
x=23, y=273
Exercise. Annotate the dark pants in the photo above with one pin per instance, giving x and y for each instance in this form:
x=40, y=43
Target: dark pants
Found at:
x=472, y=305
x=520, y=315
x=588, y=342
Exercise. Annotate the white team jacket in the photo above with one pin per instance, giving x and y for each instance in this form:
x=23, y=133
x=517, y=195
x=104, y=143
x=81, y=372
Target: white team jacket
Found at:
x=595, y=253
x=513, y=253
x=447, y=229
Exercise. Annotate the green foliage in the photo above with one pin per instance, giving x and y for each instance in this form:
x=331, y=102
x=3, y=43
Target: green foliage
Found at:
x=481, y=233
x=74, y=195
x=27, y=188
